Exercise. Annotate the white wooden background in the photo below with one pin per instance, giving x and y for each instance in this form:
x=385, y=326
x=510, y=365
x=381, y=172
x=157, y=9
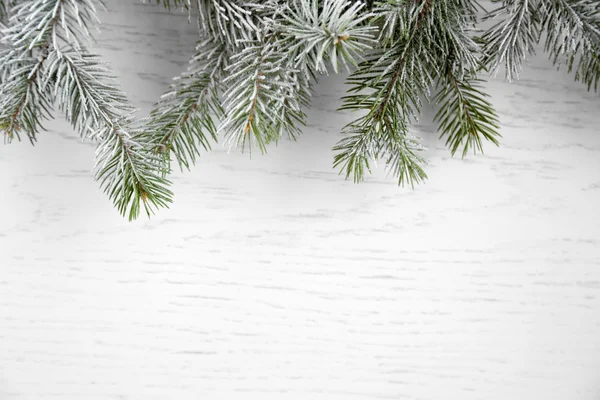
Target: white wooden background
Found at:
x=273, y=278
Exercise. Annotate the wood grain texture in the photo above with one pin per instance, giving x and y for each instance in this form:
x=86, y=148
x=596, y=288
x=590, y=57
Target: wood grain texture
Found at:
x=273, y=278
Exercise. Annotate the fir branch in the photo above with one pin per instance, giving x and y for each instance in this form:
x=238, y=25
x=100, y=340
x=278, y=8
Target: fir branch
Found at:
x=183, y=122
x=395, y=77
x=24, y=102
x=573, y=35
x=83, y=91
x=126, y=167
x=229, y=22
x=56, y=31
x=366, y=141
x=130, y=172
x=396, y=18
x=39, y=23
x=334, y=32
x=465, y=114
x=572, y=30
x=509, y=42
x=264, y=97
x=453, y=39
x=39, y=27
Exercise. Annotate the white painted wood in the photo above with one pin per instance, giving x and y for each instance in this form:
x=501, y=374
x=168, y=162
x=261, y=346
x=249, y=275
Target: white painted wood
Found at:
x=273, y=278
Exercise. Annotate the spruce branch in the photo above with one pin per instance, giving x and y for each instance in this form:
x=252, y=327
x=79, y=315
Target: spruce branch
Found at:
x=129, y=171
x=47, y=62
x=573, y=36
x=388, y=138
x=39, y=23
x=24, y=101
x=126, y=168
x=82, y=87
x=263, y=98
x=510, y=41
x=184, y=121
x=335, y=32
x=572, y=31
x=465, y=114
x=229, y=21
x=388, y=87
x=39, y=28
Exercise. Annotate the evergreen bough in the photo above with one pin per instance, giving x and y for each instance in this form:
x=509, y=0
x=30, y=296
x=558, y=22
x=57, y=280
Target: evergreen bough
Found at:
x=251, y=79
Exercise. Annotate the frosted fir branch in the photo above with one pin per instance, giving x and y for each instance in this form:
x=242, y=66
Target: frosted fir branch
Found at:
x=261, y=89
x=84, y=92
x=183, y=123
x=24, y=101
x=388, y=86
x=573, y=37
x=36, y=23
x=38, y=28
x=129, y=171
x=510, y=41
x=366, y=142
x=335, y=32
x=47, y=63
x=465, y=115
x=455, y=41
x=271, y=77
x=289, y=50
x=228, y=21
